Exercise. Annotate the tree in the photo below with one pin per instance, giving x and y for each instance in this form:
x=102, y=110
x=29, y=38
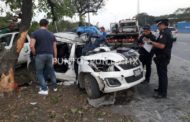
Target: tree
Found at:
x=56, y=9
x=144, y=19
x=8, y=58
x=87, y=6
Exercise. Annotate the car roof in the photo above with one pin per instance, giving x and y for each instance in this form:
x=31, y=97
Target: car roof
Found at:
x=2, y=34
x=68, y=37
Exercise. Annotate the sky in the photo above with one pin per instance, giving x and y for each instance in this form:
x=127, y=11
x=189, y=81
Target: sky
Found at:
x=115, y=10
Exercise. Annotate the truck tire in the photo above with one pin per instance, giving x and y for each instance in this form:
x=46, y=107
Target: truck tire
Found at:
x=91, y=87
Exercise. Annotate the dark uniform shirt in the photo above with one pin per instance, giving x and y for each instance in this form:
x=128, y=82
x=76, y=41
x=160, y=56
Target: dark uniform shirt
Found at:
x=142, y=51
x=165, y=37
x=44, y=41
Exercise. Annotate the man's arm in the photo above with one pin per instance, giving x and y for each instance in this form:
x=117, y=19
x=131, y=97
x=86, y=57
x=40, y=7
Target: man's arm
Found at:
x=158, y=45
x=152, y=37
x=55, y=49
x=140, y=40
x=55, y=52
x=162, y=43
x=32, y=46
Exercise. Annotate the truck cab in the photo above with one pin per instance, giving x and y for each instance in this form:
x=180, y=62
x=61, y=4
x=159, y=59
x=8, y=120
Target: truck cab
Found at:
x=124, y=34
x=129, y=26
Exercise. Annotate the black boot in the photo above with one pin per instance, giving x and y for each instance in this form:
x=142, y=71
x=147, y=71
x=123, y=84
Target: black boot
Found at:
x=159, y=96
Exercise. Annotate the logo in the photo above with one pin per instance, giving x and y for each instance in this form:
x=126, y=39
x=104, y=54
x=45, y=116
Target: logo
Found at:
x=132, y=61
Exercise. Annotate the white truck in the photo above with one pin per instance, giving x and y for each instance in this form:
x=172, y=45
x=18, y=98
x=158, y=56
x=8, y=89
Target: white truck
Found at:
x=7, y=39
x=125, y=33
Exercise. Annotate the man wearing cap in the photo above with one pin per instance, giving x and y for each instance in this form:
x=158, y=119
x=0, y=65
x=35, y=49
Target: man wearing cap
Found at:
x=43, y=47
x=146, y=55
x=162, y=49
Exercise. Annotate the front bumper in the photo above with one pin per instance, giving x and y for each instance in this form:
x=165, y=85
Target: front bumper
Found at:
x=126, y=78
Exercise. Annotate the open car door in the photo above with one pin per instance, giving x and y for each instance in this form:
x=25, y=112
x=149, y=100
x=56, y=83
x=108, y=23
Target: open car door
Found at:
x=67, y=44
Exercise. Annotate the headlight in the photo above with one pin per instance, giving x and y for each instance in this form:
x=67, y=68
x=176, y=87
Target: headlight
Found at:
x=112, y=82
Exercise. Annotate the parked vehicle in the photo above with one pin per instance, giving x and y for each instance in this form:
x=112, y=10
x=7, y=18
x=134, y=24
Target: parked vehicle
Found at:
x=174, y=33
x=99, y=71
x=7, y=39
x=125, y=33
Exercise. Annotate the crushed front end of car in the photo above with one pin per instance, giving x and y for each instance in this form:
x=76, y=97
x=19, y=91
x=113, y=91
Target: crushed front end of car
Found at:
x=113, y=71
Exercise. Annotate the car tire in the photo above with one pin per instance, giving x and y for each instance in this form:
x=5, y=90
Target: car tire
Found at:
x=91, y=87
x=80, y=87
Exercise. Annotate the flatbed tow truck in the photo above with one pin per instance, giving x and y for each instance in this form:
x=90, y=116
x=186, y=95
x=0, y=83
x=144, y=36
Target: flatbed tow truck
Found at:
x=124, y=34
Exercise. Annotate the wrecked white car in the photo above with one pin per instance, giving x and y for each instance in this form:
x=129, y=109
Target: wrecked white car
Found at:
x=99, y=71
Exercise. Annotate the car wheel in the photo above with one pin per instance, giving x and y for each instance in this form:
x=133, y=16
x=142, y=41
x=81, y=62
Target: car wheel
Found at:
x=91, y=87
x=80, y=87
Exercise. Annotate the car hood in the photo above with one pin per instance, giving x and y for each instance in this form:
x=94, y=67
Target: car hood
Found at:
x=113, y=56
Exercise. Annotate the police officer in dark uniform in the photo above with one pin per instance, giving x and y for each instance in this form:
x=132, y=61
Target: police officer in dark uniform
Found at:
x=145, y=55
x=162, y=50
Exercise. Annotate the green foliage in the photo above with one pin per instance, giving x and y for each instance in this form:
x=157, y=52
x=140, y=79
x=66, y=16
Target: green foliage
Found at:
x=63, y=26
x=85, y=6
x=144, y=18
x=181, y=14
x=60, y=8
x=5, y=21
x=33, y=27
x=14, y=4
x=65, y=9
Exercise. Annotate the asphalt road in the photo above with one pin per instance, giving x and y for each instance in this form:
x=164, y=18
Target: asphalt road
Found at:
x=176, y=108
x=181, y=47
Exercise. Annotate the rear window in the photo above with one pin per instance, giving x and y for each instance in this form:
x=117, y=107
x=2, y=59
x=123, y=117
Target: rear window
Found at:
x=6, y=39
x=128, y=24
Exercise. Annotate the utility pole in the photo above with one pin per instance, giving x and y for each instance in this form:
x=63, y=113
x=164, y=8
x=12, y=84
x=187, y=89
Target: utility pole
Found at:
x=89, y=18
x=138, y=7
x=89, y=12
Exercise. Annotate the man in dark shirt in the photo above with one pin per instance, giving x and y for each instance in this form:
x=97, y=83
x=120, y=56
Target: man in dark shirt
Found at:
x=162, y=50
x=43, y=47
x=146, y=55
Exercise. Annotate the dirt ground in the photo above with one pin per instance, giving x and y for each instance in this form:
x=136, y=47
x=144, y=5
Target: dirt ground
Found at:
x=70, y=104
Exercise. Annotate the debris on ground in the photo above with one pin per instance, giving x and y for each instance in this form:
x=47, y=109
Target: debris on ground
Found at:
x=108, y=99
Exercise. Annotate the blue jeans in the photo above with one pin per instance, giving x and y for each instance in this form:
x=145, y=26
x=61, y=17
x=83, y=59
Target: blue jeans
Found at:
x=44, y=64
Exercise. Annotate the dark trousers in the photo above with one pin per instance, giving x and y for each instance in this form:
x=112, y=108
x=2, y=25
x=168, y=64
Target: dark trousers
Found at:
x=161, y=64
x=146, y=59
x=44, y=67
